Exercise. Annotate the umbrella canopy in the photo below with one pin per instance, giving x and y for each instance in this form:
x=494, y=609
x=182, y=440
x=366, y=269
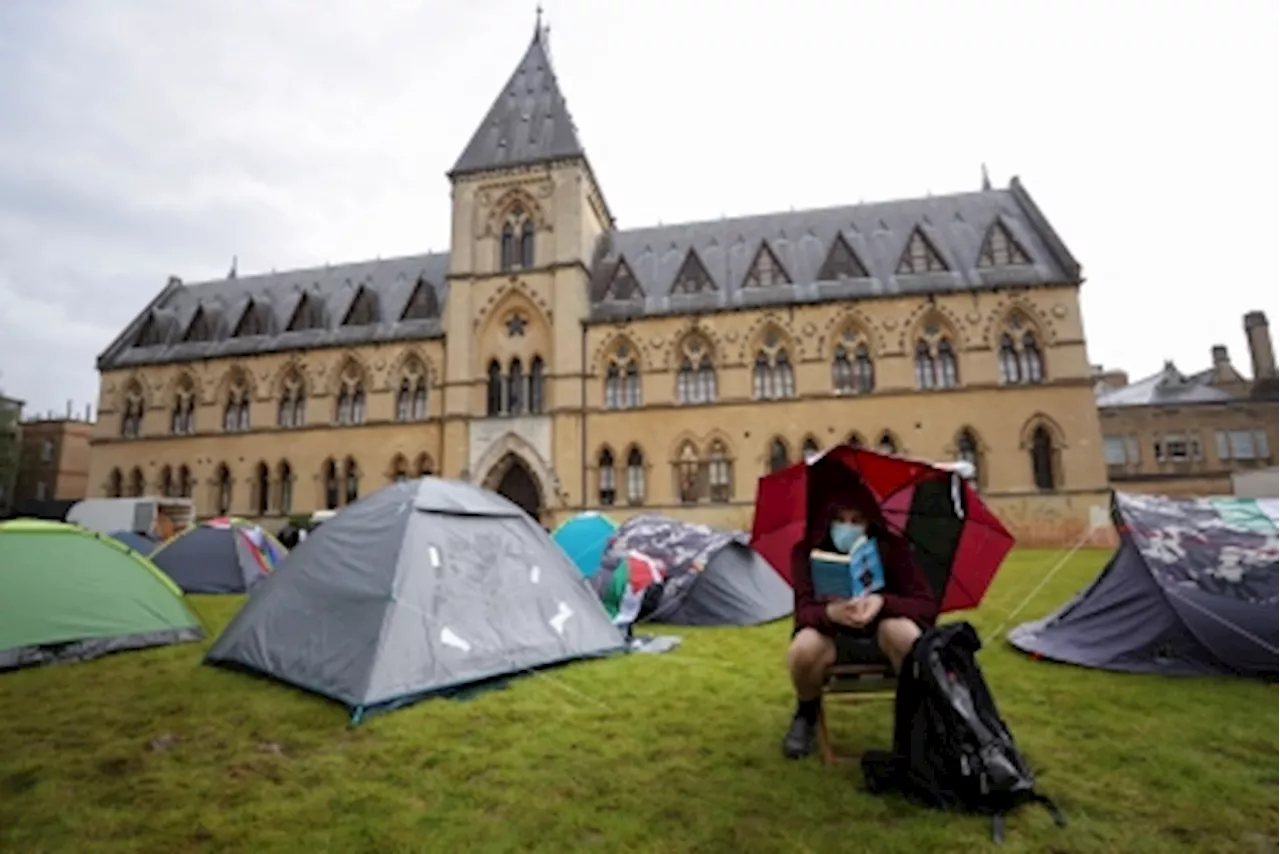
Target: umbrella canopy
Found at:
x=957, y=540
x=584, y=538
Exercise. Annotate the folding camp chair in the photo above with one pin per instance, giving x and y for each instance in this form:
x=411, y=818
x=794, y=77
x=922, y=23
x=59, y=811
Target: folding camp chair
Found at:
x=869, y=676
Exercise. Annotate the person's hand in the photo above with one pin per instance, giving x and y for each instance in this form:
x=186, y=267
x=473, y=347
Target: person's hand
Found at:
x=844, y=612
x=861, y=611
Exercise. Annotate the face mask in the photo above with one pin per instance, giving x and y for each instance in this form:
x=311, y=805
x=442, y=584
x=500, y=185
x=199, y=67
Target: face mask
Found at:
x=845, y=534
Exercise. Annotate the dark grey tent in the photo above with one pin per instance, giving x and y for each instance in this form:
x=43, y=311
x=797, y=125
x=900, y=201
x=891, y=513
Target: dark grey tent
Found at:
x=219, y=556
x=712, y=578
x=1191, y=590
x=422, y=587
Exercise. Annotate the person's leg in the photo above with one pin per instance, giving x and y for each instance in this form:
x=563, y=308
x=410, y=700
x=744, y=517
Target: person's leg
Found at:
x=895, y=636
x=810, y=655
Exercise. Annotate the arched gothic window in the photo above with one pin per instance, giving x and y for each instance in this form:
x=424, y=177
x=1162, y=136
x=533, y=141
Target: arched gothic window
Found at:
x=537, y=391
x=778, y=456
x=607, y=476
x=720, y=473
x=331, y=493
x=622, y=379
x=350, y=404
x=508, y=249
x=811, y=448
x=773, y=377
x=411, y=398
x=635, y=476
x=935, y=360
x=515, y=388
x=526, y=244
x=399, y=469
x=352, y=480
x=967, y=451
x=696, y=377
x=235, y=415
x=137, y=483
x=115, y=484
x=262, y=489
x=186, y=483
x=293, y=401
x=285, y=474
x=688, y=474
x=1021, y=361
x=423, y=467
x=167, y=487
x=495, y=391
x=222, y=490
x=1043, y=463
x=887, y=444
x=183, y=420
x=134, y=408
x=852, y=371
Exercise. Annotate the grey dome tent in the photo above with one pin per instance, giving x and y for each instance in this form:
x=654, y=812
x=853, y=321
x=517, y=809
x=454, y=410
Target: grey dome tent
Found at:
x=423, y=587
x=1192, y=589
x=711, y=577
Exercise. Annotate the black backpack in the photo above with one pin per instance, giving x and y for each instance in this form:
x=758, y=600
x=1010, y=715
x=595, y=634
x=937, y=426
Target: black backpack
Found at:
x=951, y=750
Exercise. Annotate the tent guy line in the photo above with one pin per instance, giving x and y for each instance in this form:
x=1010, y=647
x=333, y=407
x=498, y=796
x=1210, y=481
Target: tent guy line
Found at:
x=1222, y=622
x=1062, y=561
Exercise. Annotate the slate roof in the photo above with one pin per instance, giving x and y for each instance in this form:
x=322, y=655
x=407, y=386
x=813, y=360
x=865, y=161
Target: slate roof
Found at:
x=1168, y=387
x=954, y=225
x=223, y=301
x=528, y=123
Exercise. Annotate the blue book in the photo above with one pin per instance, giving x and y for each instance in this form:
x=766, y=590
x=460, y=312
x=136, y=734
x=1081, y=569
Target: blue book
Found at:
x=840, y=576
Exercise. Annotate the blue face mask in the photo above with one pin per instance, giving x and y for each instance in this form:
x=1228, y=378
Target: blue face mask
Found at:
x=845, y=534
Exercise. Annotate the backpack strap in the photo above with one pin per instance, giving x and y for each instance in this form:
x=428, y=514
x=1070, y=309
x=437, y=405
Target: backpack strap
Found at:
x=1058, y=818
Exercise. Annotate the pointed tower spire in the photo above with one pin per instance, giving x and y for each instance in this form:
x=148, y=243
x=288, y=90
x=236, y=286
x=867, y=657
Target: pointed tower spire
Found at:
x=529, y=121
x=232, y=274
x=986, y=179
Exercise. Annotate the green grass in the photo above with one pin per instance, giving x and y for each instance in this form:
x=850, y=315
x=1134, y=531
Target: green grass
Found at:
x=150, y=751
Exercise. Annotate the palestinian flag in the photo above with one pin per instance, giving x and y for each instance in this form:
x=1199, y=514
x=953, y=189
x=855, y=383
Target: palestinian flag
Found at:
x=626, y=590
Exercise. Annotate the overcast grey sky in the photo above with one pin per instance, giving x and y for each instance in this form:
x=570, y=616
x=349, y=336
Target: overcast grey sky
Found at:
x=143, y=138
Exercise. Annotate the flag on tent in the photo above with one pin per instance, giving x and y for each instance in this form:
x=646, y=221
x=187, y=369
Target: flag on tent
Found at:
x=627, y=589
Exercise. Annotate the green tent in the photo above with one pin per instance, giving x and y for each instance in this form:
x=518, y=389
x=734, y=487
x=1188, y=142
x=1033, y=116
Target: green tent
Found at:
x=68, y=594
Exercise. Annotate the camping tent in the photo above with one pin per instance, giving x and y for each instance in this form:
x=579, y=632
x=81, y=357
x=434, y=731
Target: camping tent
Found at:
x=143, y=544
x=711, y=578
x=583, y=539
x=219, y=556
x=422, y=587
x=67, y=594
x=1192, y=589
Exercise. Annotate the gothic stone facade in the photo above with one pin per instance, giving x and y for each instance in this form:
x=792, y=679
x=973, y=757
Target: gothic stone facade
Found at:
x=1178, y=434
x=570, y=364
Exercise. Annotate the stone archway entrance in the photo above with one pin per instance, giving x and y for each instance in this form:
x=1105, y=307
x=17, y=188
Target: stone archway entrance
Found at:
x=512, y=479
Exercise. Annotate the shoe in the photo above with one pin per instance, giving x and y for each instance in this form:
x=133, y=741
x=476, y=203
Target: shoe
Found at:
x=798, y=741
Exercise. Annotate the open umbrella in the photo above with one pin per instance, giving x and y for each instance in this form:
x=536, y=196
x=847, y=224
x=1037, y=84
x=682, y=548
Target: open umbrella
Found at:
x=958, y=542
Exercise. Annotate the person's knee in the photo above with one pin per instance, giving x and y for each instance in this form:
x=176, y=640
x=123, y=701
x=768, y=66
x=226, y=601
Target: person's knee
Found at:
x=811, y=648
x=896, y=636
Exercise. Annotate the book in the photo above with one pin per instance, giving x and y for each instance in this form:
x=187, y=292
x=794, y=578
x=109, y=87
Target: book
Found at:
x=841, y=576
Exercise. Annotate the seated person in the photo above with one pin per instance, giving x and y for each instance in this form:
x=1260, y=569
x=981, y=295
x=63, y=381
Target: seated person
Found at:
x=829, y=632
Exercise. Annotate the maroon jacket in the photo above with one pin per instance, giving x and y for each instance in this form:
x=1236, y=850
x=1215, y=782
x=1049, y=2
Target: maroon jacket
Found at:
x=906, y=591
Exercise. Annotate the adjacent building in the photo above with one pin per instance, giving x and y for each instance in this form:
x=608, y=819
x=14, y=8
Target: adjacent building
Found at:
x=54, y=461
x=570, y=363
x=1191, y=434
x=10, y=445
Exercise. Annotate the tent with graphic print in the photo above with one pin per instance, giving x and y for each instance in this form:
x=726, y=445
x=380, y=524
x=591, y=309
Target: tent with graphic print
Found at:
x=689, y=575
x=1191, y=590
x=223, y=555
x=424, y=587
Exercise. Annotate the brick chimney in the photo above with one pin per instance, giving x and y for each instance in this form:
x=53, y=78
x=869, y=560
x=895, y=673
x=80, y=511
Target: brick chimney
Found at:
x=1261, y=354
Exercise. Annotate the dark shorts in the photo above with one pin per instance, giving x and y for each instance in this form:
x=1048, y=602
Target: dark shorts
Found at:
x=856, y=646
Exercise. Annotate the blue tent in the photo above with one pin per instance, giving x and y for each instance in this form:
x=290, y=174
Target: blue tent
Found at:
x=583, y=538
x=140, y=543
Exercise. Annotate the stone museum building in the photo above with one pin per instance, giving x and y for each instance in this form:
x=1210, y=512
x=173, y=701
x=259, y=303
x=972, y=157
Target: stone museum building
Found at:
x=569, y=363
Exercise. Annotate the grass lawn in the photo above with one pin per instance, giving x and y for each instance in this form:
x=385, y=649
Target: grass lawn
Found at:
x=150, y=751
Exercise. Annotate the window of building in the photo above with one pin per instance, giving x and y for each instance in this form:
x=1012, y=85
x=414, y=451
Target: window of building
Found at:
x=773, y=377
x=696, y=376
x=1176, y=448
x=635, y=476
x=607, y=475
x=1241, y=445
x=778, y=455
